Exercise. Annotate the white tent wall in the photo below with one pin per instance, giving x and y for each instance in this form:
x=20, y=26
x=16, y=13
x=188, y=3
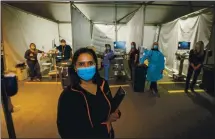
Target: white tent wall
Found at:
x=80, y=30
x=149, y=36
x=103, y=34
x=131, y=32
x=65, y=32
x=135, y=29
x=192, y=28
x=20, y=29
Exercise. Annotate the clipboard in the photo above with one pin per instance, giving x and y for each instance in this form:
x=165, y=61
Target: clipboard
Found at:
x=117, y=99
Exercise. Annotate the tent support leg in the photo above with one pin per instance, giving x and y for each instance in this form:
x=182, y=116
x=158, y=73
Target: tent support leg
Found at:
x=116, y=34
x=190, y=6
x=71, y=14
x=143, y=24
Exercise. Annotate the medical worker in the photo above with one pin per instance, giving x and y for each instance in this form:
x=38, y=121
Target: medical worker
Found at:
x=108, y=55
x=133, y=58
x=155, y=67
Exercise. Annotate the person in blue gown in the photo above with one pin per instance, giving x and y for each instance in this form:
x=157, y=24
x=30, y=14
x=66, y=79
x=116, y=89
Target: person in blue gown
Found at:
x=155, y=67
x=108, y=56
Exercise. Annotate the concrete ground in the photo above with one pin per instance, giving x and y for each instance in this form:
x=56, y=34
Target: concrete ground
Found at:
x=174, y=115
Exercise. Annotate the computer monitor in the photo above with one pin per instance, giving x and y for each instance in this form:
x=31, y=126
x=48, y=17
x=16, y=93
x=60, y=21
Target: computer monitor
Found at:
x=119, y=45
x=184, y=45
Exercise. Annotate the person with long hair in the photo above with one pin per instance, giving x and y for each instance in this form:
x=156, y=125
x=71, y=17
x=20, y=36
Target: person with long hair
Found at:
x=196, y=59
x=155, y=67
x=133, y=58
x=84, y=107
x=108, y=55
x=32, y=62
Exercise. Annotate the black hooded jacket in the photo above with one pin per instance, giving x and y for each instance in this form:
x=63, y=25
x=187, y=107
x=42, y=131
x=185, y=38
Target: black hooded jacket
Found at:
x=82, y=115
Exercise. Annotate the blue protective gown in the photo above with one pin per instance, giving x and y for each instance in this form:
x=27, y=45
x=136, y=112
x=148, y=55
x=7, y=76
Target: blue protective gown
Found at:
x=156, y=64
x=106, y=63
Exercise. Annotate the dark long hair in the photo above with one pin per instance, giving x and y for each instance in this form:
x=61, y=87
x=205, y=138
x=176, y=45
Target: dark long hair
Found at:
x=201, y=44
x=32, y=44
x=107, y=45
x=135, y=46
x=75, y=79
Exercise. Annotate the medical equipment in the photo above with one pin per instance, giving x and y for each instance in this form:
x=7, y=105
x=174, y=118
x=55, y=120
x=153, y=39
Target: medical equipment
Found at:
x=180, y=56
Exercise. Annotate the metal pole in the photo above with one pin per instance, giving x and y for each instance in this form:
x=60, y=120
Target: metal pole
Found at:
x=7, y=112
x=58, y=25
x=71, y=14
x=116, y=34
x=143, y=24
x=4, y=97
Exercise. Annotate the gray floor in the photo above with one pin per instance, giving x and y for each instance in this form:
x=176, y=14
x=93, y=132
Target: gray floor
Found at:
x=143, y=116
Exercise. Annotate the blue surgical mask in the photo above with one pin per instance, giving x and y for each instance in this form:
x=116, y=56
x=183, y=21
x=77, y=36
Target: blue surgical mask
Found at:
x=132, y=46
x=86, y=73
x=155, y=47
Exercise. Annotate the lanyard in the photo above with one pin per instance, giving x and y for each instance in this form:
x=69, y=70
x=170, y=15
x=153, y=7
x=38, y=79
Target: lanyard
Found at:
x=63, y=49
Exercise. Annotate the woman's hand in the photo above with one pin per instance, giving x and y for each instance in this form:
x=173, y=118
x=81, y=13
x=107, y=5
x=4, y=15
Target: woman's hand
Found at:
x=113, y=117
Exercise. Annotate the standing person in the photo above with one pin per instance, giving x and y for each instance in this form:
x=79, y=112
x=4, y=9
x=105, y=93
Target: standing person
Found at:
x=84, y=107
x=155, y=67
x=64, y=50
x=65, y=53
x=108, y=55
x=32, y=62
x=133, y=58
x=196, y=59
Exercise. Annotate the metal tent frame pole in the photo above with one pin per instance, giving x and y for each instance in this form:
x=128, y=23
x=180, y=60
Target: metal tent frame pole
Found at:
x=143, y=24
x=5, y=98
x=72, y=30
x=116, y=32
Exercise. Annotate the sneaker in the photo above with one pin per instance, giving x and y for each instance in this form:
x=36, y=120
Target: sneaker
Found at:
x=192, y=89
x=38, y=80
x=186, y=91
x=30, y=80
x=158, y=95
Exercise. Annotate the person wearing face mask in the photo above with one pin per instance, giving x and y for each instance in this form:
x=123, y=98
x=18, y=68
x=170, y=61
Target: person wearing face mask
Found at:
x=65, y=51
x=196, y=59
x=84, y=107
x=108, y=55
x=65, y=55
x=32, y=62
x=133, y=58
x=156, y=66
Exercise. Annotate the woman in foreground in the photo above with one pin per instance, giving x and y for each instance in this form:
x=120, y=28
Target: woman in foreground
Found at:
x=84, y=107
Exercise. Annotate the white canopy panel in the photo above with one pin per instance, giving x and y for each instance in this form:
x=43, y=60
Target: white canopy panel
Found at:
x=157, y=12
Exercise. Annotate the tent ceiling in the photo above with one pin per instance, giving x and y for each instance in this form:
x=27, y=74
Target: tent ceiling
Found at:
x=156, y=12
x=53, y=11
x=105, y=13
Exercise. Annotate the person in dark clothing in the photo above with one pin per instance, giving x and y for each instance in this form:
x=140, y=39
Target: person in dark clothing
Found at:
x=64, y=50
x=65, y=54
x=32, y=62
x=196, y=59
x=133, y=58
x=84, y=107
